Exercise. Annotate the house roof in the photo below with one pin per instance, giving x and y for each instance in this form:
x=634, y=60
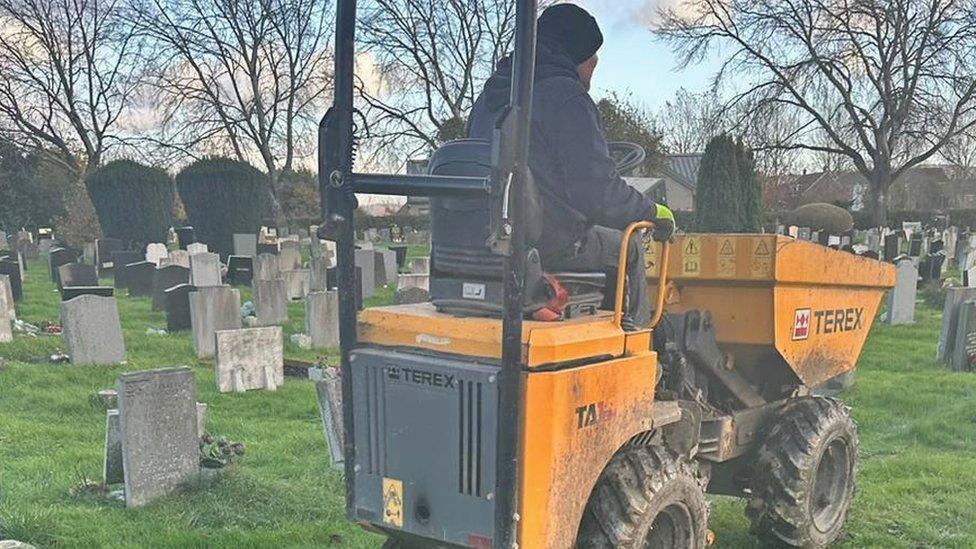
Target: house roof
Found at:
x=682, y=168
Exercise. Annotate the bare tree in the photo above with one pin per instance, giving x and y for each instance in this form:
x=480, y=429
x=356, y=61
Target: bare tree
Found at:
x=688, y=121
x=243, y=78
x=433, y=57
x=888, y=83
x=67, y=75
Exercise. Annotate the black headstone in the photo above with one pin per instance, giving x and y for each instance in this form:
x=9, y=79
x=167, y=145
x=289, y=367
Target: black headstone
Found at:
x=178, y=307
x=61, y=256
x=11, y=268
x=104, y=248
x=936, y=246
x=77, y=274
x=892, y=246
x=186, y=236
x=139, y=278
x=165, y=278
x=401, y=255
x=265, y=248
x=120, y=260
x=915, y=246
x=240, y=270
x=71, y=292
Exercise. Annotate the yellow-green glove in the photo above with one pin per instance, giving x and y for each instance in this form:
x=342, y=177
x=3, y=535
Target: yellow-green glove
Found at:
x=664, y=224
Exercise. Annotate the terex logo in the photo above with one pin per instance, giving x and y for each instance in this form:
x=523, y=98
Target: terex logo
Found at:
x=827, y=321
x=420, y=377
x=590, y=414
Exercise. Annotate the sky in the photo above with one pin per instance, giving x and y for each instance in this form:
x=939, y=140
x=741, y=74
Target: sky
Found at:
x=633, y=60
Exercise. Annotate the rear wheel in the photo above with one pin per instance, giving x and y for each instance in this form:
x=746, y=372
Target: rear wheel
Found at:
x=803, y=480
x=647, y=497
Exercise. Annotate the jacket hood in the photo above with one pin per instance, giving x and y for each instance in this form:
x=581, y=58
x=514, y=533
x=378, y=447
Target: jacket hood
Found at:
x=551, y=62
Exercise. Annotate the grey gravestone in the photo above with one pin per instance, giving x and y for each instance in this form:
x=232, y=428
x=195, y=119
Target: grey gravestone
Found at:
x=205, y=269
x=112, y=469
x=322, y=319
x=290, y=244
x=165, y=278
x=901, y=299
x=77, y=274
x=139, y=278
x=7, y=296
x=270, y=302
x=386, y=267
x=119, y=262
x=296, y=283
x=289, y=259
x=197, y=248
x=950, y=319
x=266, y=267
x=89, y=254
x=178, y=307
x=12, y=270
x=405, y=281
x=245, y=244
x=177, y=257
x=156, y=252
x=366, y=260
x=329, y=392
x=91, y=330
x=250, y=358
x=964, y=350
x=240, y=270
x=213, y=308
x=6, y=310
x=318, y=274
x=160, y=443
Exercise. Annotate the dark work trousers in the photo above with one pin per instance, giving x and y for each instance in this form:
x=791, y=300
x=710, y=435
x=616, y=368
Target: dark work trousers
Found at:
x=599, y=250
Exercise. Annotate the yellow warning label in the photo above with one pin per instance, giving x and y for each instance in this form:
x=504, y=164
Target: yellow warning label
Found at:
x=393, y=502
x=651, y=263
x=726, y=258
x=762, y=259
x=691, y=251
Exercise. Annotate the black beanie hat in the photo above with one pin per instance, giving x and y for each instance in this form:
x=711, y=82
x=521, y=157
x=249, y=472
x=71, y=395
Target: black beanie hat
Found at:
x=572, y=28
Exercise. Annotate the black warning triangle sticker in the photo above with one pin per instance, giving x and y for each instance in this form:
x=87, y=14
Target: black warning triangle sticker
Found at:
x=762, y=248
x=691, y=248
x=727, y=248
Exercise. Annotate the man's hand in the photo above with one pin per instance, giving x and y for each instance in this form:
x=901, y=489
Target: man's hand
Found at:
x=664, y=225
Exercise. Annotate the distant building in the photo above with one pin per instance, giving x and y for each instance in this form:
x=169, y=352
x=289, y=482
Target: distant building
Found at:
x=674, y=183
x=416, y=205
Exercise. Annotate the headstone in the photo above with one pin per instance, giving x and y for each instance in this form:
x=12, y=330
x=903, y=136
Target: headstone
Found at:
x=185, y=236
x=413, y=281
x=386, y=267
x=104, y=248
x=322, y=319
x=7, y=295
x=158, y=421
x=12, y=270
x=205, y=269
x=177, y=257
x=178, y=307
x=401, y=255
x=289, y=259
x=91, y=330
x=77, y=274
x=71, y=292
x=267, y=248
x=366, y=260
x=289, y=244
x=6, y=310
x=803, y=233
x=915, y=246
x=296, y=283
x=901, y=299
x=250, y=358
x=964, y=350
x=197, y=248
x=119, y=260
x=240, y=270
x=245, y=244
x=266, y=267
x=892, y=247
x=165, y=278
x=950, y=319
x=89, y=254
x=211, y=309
x=58, y=257
x=420, y=265
x=318, y=280
x=112, y=469
x=156, y=252
x=329, y=392
x=270, y=302
x=139, y=278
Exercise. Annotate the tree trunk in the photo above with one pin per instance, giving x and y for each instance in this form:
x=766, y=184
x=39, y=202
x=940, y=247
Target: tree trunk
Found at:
x=880, y=183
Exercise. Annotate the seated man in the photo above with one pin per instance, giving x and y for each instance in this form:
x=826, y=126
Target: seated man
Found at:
x=586, y=204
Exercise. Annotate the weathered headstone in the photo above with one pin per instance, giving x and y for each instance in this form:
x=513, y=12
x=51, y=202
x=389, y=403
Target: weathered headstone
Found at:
x=386, y=267
x=240, y=270
x=290, y=244
x=91, y=330
x=413, y=281
x=112, y=468
x=366, y=260
x=165, y=278
x=322, y=319
x=318, y=280
x=77, y=274
x=197, y=248
x=160, y=443
x=6, y=310
x=177, y=257
x=245, y=244
x=211, y=309
x=205, y=269
x=270, y=302
x=119, y=261
x=266, y=267
x=156, y=252
x=950, y=319
x=296, y=283
x=139, y=278
x=12, y=270
x=901, y=299
x=289, y=259
x=329, y=392
x=178, y=307
x=7, y=295
x=250, y=358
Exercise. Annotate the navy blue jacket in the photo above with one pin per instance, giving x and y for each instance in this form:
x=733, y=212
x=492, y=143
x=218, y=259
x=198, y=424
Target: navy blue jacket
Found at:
x=568, y=154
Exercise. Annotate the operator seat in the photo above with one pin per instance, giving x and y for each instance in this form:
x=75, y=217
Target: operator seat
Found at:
x=466, y=277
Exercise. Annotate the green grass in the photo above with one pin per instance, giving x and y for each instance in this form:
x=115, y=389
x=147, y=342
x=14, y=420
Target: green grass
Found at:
x=917, y=486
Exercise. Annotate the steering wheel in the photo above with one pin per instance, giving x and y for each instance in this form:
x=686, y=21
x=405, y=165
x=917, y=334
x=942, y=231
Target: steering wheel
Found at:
x=628, y=156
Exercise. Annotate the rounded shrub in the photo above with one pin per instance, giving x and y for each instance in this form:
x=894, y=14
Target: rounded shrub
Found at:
x=133, y=202
x=222, y=197
x=822, y=217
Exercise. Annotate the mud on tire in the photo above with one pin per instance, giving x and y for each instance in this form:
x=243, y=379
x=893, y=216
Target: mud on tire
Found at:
x=647, y=496
x=803, y=480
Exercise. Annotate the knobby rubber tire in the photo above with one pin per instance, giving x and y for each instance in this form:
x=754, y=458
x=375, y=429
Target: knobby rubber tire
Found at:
x=812, y=433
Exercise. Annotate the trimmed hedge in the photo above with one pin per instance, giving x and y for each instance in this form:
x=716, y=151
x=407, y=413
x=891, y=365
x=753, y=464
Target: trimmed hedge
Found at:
x=133, y=202
x=222, y=197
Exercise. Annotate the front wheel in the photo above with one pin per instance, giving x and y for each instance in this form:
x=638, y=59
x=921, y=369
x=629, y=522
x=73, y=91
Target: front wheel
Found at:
x=647, y=497
x=803, y=481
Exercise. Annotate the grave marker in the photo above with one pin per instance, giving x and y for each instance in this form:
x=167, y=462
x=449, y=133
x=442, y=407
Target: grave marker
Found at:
x=77, y=274
x=12, y=270
x=266, y=267
x=296, y=283
x=901, y=299
x=165, y=278
x=289, y=259
x=178, y=307
x=91, y=330
x=205, y=269
x=197, y=248
x=6, y=310
x=322, y=319
x=950, y=319
x=270, y=302
x=250, y=358
x=245, y=244
x=156, y=252
x=119, y=261
x=240, y=270
x=211, y=309
x=139, y=278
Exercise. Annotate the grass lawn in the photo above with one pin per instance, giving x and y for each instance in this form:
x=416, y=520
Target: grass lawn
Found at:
x=917, y=486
